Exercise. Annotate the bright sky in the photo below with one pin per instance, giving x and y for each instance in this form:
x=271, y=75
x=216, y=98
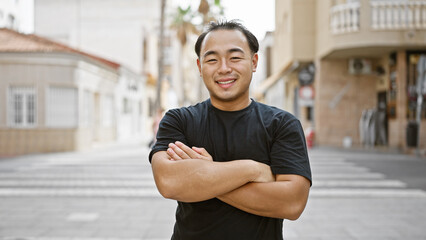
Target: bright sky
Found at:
x=257, y=15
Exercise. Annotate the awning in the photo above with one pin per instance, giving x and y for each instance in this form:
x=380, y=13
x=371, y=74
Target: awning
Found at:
x=288, y=68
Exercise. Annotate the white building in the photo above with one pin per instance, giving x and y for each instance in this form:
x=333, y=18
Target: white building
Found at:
x=57, y=98
x=124, y=31
x=121, y=30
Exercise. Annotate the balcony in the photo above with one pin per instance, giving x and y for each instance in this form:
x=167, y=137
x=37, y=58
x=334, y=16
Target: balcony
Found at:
x=344, y=18
x=372, y=24
x=398, y=15
x=385, y=15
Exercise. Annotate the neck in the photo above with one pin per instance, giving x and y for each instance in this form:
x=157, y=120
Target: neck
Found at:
x=231, y=105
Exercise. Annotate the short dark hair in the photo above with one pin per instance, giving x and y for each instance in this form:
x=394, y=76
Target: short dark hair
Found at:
x=228, y=25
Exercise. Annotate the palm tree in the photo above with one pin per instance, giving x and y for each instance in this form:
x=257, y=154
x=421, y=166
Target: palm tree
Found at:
x=185, y=23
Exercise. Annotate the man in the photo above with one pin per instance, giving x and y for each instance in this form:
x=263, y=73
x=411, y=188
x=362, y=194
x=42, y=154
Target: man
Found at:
x=236, y=167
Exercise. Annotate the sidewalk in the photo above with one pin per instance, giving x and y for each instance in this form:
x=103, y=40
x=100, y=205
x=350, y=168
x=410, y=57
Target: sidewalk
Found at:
x=109, y=193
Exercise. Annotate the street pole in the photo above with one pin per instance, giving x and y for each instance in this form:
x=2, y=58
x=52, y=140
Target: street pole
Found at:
x=158, y=104
x=421, y=81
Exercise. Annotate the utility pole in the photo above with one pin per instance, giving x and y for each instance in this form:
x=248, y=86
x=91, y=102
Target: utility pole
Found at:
x=160, y=56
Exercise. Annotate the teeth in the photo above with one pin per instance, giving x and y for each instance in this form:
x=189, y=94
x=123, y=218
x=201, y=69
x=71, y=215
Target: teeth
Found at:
x=227, y=82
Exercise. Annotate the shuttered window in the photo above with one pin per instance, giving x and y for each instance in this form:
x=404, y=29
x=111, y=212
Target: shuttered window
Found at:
x=22, y=107
x=62, y=111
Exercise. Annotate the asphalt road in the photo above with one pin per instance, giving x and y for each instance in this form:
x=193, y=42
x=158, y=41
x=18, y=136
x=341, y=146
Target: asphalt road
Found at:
x=109, y=193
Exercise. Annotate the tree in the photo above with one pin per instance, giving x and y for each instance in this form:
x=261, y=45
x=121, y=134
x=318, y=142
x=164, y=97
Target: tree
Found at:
x=186, y=21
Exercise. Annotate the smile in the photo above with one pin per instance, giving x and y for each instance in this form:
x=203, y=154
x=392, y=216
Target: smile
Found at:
x=226, y=82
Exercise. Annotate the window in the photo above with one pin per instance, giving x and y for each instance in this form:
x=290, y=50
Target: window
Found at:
x=22, y=107
x=62, y=107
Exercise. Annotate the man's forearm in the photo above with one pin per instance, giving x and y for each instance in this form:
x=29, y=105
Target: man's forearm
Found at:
x=194, y=180
x=280, y=199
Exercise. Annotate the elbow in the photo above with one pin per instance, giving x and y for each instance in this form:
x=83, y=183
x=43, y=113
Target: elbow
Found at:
x=166, y=188
x=166, y=193
x=292, y=211
x=294, y=215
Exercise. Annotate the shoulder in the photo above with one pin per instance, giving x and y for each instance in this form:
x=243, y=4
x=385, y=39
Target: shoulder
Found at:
x=275, y=114
x=189, y=112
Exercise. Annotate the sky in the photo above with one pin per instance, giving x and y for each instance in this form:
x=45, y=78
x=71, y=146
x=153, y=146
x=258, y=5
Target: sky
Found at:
x=257, y=15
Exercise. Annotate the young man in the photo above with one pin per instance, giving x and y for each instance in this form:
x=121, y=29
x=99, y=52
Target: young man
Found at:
x=236, y=167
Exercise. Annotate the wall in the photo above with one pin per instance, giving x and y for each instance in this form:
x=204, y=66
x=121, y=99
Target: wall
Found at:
x=304, y=33
x=23, y=141
x=42, y=70
x=336, y=119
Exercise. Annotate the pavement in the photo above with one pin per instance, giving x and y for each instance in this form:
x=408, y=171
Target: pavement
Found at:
x=109, y=193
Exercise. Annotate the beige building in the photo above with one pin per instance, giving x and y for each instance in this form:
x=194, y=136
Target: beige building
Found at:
x=349, y=69
x=56, y=98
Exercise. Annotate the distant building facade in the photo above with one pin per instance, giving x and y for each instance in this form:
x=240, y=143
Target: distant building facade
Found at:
x=340, y=62
x=57, y=98
x=124, y=31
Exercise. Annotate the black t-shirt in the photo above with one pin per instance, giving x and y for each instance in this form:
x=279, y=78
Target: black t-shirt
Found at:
x=258, y=132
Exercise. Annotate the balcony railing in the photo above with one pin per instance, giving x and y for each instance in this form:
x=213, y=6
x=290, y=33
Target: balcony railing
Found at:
x=345, y=18
x=395, y=15
x=385, y=15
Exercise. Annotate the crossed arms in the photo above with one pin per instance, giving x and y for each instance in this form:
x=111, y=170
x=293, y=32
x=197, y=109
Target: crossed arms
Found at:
x=190, y=175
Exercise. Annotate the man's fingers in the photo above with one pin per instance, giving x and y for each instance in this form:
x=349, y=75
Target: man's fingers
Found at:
x=182, y=151
x=173, y=155
x=191, y=153
x=179, y=151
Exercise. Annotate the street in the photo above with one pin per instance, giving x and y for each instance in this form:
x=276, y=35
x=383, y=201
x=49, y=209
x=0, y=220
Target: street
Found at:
x=109, y=193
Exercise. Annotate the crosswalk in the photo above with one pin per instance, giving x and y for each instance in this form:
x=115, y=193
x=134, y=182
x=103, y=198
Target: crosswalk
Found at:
x=101, y=175
x=335, y=176
x=106, y=175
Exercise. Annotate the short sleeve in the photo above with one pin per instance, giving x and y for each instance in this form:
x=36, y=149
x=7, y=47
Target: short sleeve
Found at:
x=288, y=153
x=170, y=129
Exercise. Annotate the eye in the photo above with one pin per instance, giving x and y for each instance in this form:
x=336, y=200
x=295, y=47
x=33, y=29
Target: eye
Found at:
x=211, y=60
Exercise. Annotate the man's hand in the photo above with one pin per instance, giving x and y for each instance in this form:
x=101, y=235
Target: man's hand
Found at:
x=179, y=151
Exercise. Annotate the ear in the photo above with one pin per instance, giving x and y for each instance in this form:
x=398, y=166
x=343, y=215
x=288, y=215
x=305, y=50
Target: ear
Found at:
x=255, y=59
x=199, y=65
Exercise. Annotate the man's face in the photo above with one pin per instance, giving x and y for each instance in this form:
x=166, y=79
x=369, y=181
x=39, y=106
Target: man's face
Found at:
x=226, y=65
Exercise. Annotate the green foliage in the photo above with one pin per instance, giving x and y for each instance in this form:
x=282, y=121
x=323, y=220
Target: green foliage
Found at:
x=186, y=20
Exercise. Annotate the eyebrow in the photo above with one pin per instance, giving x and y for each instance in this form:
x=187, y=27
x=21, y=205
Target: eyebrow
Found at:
x=212, y=52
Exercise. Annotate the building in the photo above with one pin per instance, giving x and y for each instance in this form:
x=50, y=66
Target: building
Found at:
x=57, y=98
x=349, y=69
x=264, y=66
x=124, y=31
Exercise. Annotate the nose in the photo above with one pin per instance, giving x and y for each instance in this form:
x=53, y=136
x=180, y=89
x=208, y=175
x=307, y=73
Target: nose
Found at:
x=224, y=67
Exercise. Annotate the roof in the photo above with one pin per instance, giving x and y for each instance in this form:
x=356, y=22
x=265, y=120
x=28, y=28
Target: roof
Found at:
x=12, y=41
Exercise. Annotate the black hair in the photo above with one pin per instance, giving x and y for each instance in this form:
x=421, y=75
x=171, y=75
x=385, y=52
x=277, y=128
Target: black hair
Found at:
x=228, y=25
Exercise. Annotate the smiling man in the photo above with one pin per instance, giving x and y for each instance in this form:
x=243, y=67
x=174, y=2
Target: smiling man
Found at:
x=236, y=167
